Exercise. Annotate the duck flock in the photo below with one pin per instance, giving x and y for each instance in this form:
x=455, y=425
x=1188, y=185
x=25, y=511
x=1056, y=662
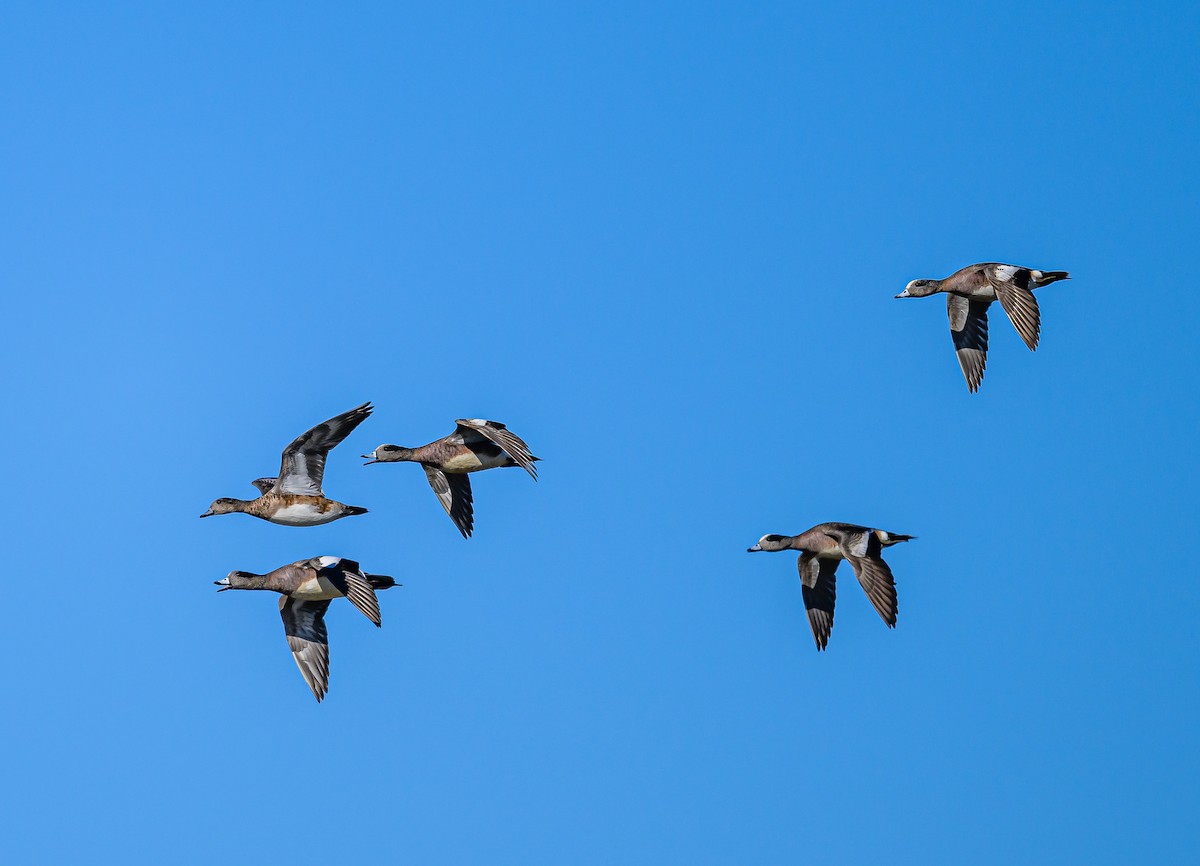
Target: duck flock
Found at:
x=296, y=496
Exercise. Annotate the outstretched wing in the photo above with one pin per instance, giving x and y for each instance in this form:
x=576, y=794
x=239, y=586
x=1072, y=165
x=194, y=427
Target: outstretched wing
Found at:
x=818, y=584
x=969, y=329
x=264, y=485
x=877, y=581
x=303, y=464
x=514, y=446
x=1019, y=303
x=304, y=625
x=454, y=492
x=347, y=576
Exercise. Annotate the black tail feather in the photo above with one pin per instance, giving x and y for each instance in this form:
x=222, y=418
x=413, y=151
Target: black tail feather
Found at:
x=380, y=581
x=1049, y=277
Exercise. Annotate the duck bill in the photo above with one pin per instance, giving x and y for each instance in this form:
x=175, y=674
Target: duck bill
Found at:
x=904, y=294
x=208, y=513
x=755, y=549
x=223, y=583
x=370, y=458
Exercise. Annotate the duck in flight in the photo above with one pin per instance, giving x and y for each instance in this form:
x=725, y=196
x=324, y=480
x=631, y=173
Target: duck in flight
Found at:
x=306, y=588
x=295, y=498
x=969, y=293
x=474, y=445
x=821, y=549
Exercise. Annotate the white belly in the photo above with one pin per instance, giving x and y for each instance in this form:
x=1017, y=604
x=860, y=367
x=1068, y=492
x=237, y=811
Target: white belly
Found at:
x=316, y=589
x=304, y=514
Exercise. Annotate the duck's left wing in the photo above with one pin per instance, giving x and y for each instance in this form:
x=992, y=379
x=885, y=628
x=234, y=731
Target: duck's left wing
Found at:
x=1012, y=289
x=347, y=576
x=303, y=465
x=879, y=585
x=514, y=446
x=304, y=625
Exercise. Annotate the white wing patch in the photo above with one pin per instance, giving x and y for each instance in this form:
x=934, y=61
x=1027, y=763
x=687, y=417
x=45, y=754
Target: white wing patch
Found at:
x=1005, y=273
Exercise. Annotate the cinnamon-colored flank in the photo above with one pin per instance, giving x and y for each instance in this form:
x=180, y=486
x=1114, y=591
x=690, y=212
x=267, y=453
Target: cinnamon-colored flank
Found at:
x=970, y=292
x=295, y=498
x=474, y=445
x=821, y=549
x=307, y=587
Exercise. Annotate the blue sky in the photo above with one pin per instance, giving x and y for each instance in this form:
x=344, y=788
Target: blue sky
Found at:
x=661, y=244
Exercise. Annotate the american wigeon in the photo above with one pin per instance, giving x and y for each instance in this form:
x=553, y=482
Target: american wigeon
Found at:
x=971, y=291
x=306, y=588
x=295, y=497
x=821, y=549
x=474, y=445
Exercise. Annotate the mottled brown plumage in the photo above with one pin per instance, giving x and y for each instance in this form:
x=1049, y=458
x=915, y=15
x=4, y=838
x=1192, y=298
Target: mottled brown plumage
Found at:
x=295, y=497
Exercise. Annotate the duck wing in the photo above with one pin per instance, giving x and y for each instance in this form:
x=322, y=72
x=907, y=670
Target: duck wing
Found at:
x=969, y=329
x=861, y=548
x=303, y=465
x=453, y=490
x=1012, y=285
x=879, y=585
x=347, y=576
x=514, y=446
x=264, y=485
x=304, y=625
x=818, y=584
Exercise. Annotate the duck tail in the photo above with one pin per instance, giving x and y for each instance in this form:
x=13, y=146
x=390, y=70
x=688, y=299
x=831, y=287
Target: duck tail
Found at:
x=380, y=581
x=890, y=538
x=352, y=510
x=1048, y=277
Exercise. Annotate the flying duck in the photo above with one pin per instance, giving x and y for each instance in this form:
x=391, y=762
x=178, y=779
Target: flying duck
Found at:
x=474, y=445
x=295, y=498
x=971, y=291
x=306, y=588
x=821, y=549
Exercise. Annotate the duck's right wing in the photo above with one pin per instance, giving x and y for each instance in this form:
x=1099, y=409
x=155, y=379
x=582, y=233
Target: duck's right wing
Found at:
x=818, y=584
x=264, y=485
x=453, y=490
x=304, y=625
x=969, y=328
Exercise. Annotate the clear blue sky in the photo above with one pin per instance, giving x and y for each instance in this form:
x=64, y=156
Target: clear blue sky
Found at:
x=662, y=245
